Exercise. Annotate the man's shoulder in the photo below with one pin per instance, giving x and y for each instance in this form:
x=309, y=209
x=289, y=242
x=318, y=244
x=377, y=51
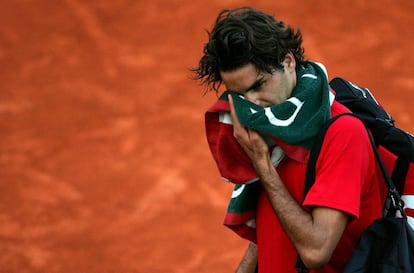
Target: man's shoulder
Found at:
x=347, y=123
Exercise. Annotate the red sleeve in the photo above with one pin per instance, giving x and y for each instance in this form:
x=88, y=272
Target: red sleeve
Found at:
x=345, y=162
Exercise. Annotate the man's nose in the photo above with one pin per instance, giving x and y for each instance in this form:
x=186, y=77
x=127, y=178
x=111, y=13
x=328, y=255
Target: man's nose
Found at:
x=252, y=98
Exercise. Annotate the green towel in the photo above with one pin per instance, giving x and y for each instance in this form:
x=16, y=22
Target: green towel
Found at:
x=297, y=120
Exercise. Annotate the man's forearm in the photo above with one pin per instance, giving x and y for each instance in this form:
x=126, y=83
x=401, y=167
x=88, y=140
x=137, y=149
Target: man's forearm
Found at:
x=296, y=221
x=315, y=234
x=249, y=262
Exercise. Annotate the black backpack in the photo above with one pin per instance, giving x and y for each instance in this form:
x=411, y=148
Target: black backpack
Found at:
x=367, y=257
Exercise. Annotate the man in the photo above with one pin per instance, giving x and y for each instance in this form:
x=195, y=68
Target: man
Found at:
x=280, y=100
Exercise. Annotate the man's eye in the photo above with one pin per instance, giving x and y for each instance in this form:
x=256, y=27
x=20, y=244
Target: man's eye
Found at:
x=258, y=86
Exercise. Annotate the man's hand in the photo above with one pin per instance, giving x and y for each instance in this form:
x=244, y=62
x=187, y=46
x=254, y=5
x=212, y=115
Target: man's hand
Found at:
x=250, y=140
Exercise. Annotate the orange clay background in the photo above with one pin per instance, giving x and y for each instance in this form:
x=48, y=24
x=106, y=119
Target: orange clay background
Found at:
x=104, y=166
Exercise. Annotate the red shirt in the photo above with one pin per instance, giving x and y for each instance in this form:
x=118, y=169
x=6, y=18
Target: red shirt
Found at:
x=346, y=180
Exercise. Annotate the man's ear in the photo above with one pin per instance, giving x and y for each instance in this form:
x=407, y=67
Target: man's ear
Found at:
x=289, y=62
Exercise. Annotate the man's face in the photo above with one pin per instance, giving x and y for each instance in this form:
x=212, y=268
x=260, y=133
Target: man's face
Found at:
x=262, y=88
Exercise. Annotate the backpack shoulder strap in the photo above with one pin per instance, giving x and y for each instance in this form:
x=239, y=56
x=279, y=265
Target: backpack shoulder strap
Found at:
x=315, y=151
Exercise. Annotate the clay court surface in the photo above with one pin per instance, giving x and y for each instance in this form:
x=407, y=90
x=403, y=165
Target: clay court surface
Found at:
x=104, y=167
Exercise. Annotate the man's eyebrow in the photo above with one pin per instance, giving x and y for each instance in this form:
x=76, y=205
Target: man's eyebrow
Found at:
x=256, y=84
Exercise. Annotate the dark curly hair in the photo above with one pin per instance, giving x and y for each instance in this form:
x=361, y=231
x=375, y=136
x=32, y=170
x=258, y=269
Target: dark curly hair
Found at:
x=246, y=35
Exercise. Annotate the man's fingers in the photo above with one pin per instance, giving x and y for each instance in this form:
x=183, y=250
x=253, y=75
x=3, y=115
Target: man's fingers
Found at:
x=250, y=140
x=239, y=132
x=233, y=114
